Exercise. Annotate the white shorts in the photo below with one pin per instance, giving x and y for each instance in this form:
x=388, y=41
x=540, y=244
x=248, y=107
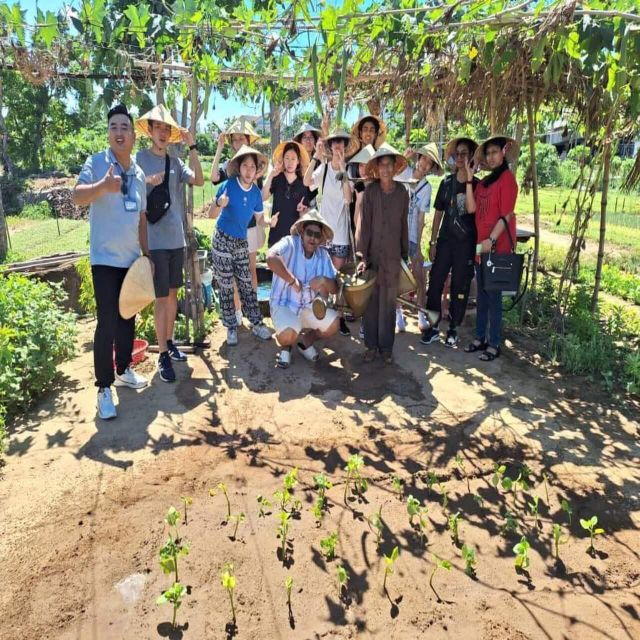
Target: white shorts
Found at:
x=285, y=318
x=255, y=237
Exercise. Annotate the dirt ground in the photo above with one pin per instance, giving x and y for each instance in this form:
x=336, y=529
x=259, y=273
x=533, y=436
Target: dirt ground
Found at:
x=83, y=501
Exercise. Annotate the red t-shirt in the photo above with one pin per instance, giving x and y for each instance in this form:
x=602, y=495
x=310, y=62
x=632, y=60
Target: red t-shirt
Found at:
x=492, y=202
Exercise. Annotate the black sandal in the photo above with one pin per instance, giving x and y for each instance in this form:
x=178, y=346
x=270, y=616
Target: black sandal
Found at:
x=476, y=345
x=488, y=356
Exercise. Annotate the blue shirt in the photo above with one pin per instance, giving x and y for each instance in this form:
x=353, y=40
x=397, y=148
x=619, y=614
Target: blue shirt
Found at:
x=305, y=269
x=243, y=205
x=113, y=231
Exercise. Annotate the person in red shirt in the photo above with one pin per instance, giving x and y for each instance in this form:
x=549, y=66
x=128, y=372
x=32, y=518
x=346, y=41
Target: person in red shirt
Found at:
x=493, y=201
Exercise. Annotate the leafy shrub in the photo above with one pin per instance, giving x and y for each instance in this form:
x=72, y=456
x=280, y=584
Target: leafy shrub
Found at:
x=86, y=297
x=568, y=173
x=38, y=211
x=69, y=152
x=35, y=335
x=547, y=163
x=206, y=145
x=580, y=154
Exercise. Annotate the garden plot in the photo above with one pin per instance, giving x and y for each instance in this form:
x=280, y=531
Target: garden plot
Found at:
x=435, y=496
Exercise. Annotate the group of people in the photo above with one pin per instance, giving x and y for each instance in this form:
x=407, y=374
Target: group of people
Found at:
x=325, y=202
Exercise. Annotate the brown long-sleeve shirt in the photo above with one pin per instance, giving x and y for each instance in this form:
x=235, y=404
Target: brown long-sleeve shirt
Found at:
x=382, y=238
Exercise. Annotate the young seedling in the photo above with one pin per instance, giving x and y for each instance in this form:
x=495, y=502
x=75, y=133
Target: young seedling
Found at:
x=263, y=506
x=283, y=531
x=479, y=500
x=444, y=495
x=223, y=487
x=498, y=477
x=510, y=522
x=375, y=524
x=533, y=510
x=318, y=510
x=291, y=480
x=285, y=499
x=414, y=509
x=174, y=595
x=437, y=564
x=545, y=479
x=469, y=557
x=558, y=539
x=323, y=484
x=169, y=554
x=238, y=518
x=453, y=527
x=228, y=580
x=343, y=578
x=398, y=486
x=288, y=585
x=463, y=472
x=522, y=554
x=565, y=505
x=590, y=526
x=432, y=479
x=354, y=477
x=521, y=483
x=389, y=561
x=172, y=518
x=328, y=546
x=187, y=501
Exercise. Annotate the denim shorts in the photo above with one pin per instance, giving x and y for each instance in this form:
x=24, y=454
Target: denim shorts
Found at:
x=413, y=249
x=338, y=250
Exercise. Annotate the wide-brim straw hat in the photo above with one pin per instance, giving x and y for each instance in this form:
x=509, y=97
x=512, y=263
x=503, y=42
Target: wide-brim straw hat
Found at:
x=243, y=126
x=431, y=151
x=363, y=156
x=303, y=129
x=233, y=167
x=382, y=131
x=512, y=150
x=450, y=149
x=159, y=113
x=137, y=288
x=312, y=215
x=302, y=154
x=386, y=150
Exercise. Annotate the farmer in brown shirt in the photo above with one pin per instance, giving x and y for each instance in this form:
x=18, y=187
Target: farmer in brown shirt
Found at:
x=382, y=239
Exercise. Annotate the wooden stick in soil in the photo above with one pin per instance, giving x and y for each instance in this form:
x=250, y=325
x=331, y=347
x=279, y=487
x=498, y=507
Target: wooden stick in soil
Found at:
x=531, y=121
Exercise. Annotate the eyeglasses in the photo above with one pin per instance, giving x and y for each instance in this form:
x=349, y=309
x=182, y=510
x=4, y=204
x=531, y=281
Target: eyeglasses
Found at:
x=310, y=233
x=462, y=154
x=308, y=136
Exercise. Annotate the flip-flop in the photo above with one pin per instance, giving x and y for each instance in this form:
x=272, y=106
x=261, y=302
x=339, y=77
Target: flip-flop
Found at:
x=284, y=359
x=309, y=353
x=472, y=347
x=487, y=356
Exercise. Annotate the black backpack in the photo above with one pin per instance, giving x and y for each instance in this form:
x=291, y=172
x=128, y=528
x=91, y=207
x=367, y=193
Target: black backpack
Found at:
x=159, y=198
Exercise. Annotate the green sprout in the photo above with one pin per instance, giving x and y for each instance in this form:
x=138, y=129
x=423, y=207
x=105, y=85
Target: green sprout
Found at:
x=343, y=578
x=228, y=580
x=469, y=557
x=263, y=506
x=521, y=483
x=437, y=564
x=291, y=479
x=318, y=510
x=565, y=505
x=282, y=532
x=398, y=486
x=558, y=539
x=479, y=500
x=187, y=501
x=238, y=517
x=445, y=495
x=222, y=487
x=414, y=509
x=328, y=546
x=590, y=526
x=498, y=477
x=510, y=522
x=354, y=477
x=432, y=479
x=389, y=561
x=169, y=554
x=172, y=518
x=288, y=585
x=463, y=472
x=522, y=554
x=453, y=522
x=174, y=595
x=375, y=523
x=533, y=510
x=323, y=484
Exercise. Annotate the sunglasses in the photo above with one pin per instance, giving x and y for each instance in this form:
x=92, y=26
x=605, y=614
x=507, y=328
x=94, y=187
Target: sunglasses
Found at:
x=124, y=185
x=310, y=233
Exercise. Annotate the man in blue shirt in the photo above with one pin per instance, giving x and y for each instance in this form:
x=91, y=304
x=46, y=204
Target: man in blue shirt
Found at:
x=113, y=186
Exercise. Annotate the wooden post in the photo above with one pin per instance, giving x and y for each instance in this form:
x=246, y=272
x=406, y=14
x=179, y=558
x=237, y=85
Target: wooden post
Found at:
x=531, y=121
x=492, y=105
x=606, y=171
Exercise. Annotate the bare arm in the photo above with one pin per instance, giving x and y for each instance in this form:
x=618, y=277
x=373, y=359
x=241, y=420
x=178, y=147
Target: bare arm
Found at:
x=85, y=194
x=143, y=236
x=215, y=165
x=317, y=159
x=194, y=163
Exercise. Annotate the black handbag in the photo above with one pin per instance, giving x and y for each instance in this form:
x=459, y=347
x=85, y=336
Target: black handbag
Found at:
x=159, y=198
x=502, y=272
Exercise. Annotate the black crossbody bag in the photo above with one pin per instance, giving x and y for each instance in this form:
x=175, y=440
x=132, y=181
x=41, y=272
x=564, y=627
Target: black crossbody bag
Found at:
x=159, y=198
x=502, y=272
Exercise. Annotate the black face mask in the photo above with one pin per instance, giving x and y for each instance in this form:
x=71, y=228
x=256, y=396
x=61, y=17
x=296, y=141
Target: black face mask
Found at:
x=496, y=173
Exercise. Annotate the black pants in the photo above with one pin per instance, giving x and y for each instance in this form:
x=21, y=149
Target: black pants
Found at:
x=380, y=319
x=111, y=327
x=457, y=257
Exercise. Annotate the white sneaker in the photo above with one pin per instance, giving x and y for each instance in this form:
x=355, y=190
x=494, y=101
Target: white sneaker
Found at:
x=232, y=337
x=261, y=331
x=239, y=317
x=401, y=323
x=130, y=379
x=423, y=323
x=106, y=408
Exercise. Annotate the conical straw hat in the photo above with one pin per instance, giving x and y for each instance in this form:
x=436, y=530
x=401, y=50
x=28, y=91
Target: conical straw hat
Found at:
x=233, y=167
x=159, y=113
x=302, y=154
x=450, y=149
x=431, y=151
x=400, y=162
x=312, y=215
x=364, y=155
x=356, y=144
x=303, y=129
x=511, y=154
x=137, y=288
x=243, y=126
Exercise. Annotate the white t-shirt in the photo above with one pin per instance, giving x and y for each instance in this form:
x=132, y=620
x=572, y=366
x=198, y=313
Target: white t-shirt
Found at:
x=333, y=207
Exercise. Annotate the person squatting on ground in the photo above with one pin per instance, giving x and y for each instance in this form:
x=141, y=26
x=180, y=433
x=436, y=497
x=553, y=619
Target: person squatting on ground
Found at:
x=166, y=235
x=494, y=204
x=454, y=249
x=302, y=269
x=427, y=162
x=236, y=202
x=290, y=197
x=330, y=177
x=382, y=240
x=113, y=186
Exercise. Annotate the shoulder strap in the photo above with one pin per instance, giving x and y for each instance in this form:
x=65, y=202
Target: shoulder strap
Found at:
x=506, y=226
x=167, y=167
x=324, y=175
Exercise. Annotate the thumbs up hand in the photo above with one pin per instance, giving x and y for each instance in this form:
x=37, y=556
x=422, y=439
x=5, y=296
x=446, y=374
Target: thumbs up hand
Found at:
x=223, y=200
x=273, y=221
x=301, y=207
x=111, y=182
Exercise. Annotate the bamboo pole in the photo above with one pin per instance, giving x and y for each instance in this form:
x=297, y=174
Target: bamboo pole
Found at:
x=531, y=121
x=606, y=171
